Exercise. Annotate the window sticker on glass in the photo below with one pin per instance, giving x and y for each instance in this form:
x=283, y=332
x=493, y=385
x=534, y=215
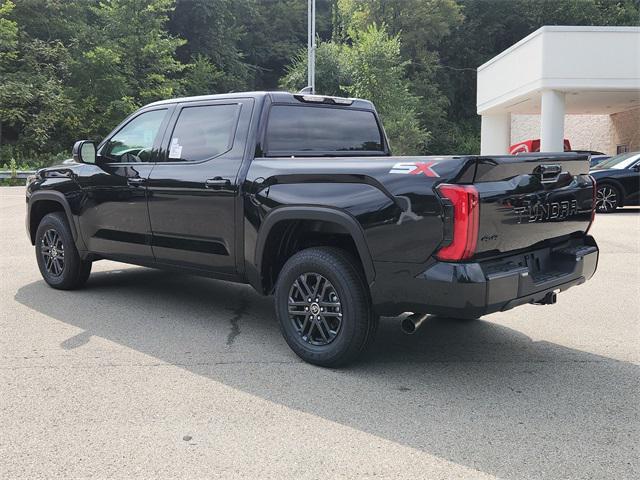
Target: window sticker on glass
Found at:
x=175, y=149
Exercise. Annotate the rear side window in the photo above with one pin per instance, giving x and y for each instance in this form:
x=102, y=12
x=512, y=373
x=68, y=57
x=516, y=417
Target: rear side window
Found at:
x=297, y=130
x=203, y=132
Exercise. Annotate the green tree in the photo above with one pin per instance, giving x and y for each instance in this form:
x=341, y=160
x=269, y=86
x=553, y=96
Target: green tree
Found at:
x=201, y=77
x=332, y=70
x=370, y=67
x=377, y=73
x=212, y=31
x=75, y=68
x=275, y=31
x=421, y=25
x=8, y=54
x=97, y=59
x=125, y=60
x=33, y=102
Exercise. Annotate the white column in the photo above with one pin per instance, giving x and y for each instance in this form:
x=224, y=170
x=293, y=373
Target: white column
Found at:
x=552, y=121
x=495, y=134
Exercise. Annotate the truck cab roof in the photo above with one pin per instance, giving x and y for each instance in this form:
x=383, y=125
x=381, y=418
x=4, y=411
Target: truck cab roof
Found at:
x=275, y=97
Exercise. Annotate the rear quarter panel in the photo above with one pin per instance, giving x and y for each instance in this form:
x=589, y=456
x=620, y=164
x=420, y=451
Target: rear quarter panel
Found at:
x=399, y=214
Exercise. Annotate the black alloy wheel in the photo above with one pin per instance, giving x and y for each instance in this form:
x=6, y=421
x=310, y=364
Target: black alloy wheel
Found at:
x=52, y=251
x=315, y=309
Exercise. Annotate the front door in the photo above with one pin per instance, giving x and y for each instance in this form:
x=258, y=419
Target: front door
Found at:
x=193, y=189
x=115, y=221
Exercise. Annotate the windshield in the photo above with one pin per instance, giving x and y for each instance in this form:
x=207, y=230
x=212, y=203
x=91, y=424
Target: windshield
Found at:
x=620, y=162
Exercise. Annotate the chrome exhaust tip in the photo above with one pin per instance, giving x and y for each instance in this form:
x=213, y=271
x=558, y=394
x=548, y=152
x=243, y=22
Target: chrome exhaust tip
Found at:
x=413, y=322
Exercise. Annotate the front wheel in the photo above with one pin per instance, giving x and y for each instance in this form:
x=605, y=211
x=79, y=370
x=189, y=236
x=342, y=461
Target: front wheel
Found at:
x=607, y=198
x=58, y=259
x=323, y=306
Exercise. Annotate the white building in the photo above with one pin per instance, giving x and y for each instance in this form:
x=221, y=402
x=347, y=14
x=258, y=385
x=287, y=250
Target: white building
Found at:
x=579, y=83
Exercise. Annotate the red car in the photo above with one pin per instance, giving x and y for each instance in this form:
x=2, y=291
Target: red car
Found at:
x=533, y=146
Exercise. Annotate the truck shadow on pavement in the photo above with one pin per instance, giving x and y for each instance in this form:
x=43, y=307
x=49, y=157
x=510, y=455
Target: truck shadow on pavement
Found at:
x=474, y=393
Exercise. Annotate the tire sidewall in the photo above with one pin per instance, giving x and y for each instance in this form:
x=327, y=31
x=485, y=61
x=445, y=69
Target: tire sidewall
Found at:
x=351, y=310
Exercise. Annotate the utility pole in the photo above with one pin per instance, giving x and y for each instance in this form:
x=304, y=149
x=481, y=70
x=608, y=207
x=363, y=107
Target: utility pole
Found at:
x=311, y=45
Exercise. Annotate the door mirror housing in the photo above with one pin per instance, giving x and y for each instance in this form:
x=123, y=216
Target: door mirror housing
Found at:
x=636, y=167
x=84, y=151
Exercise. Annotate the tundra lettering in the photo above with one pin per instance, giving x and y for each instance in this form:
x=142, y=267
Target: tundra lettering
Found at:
x=543, y=212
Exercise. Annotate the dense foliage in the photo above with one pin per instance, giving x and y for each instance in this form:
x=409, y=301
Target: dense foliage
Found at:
x=72, y=69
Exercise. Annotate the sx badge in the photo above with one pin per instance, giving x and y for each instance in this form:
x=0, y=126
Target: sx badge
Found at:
x=415, y=168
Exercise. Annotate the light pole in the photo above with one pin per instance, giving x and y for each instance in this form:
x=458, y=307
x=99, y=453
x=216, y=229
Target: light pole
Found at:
x=311, y=45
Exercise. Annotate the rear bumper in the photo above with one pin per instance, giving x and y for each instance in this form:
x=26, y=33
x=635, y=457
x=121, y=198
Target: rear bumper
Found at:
x=480, y=288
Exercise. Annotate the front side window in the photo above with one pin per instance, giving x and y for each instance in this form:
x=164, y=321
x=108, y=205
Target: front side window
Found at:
x=298, y=129
x=134, y=141
x=203, y=132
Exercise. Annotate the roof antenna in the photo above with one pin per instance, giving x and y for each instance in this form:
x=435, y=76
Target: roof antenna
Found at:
x=306, y=90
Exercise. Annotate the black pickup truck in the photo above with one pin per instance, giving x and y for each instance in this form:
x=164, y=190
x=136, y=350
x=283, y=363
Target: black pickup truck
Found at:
x=299, y=196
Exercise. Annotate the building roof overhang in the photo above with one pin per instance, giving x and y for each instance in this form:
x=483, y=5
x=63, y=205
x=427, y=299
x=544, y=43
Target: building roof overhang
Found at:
x=598, y=68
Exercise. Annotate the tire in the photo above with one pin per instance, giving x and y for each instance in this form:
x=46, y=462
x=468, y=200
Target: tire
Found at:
x=608, y=198
x=58, y=259
x=346, y=325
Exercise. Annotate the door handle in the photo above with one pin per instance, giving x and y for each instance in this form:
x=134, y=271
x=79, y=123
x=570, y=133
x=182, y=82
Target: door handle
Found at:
x=136, y=181
x=217, y=182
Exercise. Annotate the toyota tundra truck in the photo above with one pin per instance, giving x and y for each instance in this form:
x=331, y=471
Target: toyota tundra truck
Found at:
x=299, y=196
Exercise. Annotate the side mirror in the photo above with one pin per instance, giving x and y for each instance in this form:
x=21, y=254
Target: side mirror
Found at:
x=84, y=151
x=636, y=167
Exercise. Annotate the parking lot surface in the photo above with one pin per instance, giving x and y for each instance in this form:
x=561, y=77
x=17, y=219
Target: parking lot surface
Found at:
x=147, y=374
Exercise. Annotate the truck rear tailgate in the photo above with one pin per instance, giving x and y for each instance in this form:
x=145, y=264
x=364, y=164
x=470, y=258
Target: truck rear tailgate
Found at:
x=527, y=199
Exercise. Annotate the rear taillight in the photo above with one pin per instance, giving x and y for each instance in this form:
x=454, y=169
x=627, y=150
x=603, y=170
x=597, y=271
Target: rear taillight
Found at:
x=593, y=203
x=463, y=201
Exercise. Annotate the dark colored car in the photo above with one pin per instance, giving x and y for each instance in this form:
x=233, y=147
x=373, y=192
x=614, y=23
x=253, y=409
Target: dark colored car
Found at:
x=299, y=196
x=618, y=182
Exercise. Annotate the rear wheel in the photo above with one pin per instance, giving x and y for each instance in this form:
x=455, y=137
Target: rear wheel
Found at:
x=607, y=198
x=323, y=307
x=58, y=259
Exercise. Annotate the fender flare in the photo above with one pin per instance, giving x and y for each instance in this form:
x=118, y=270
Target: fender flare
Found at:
x=57, y=197
x=340, y=217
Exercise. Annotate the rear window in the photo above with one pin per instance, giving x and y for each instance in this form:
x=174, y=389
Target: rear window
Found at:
x=300, y=130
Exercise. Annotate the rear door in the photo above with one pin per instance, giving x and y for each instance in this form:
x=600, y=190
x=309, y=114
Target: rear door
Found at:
x=527, y=199
x=193, y=190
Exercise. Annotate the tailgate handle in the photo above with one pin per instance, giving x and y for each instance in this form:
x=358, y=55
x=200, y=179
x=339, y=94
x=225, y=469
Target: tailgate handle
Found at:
x=548, y=173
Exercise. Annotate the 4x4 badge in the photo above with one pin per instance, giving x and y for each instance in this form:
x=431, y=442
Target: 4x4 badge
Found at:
x=415, y=168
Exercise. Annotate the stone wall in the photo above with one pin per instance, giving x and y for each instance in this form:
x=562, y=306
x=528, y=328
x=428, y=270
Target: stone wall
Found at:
x=585, y=132
x=626, y=129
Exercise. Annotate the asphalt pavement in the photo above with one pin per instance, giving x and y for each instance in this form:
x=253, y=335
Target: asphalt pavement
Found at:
x=146, y=374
